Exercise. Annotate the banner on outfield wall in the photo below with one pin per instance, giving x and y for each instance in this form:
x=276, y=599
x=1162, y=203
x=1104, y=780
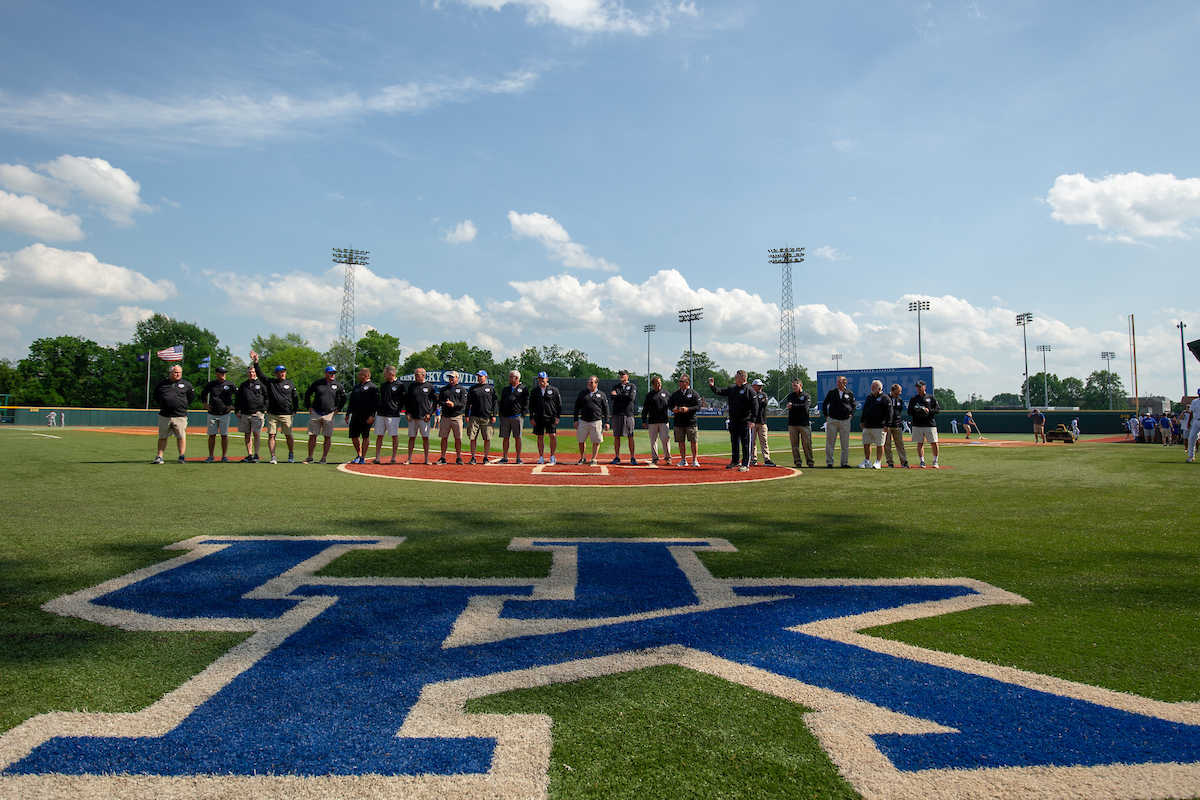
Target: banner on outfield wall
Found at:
x=858, y=381
x=438, y=377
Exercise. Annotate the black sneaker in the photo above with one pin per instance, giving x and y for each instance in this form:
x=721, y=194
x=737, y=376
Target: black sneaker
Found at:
x=768, y=463
x=440, y=462
x=732, y=465
x=459, y=461
x=503, y=460
x=472, y=461
x=182, y=460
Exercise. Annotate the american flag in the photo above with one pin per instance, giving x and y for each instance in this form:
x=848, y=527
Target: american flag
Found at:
x=172, y=353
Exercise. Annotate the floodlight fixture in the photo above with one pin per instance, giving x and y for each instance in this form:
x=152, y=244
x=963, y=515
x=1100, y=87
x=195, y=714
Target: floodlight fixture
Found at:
x=690, y=315
x=1023, y=320
x=919, y=306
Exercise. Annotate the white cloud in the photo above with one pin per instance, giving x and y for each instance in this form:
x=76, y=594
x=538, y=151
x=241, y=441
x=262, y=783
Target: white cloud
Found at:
x=1129, y=206
x=92, y=180
x=118, y=325
x=26, y=214
x=99, y=182
x=832, y=253
x=39, y=271
x=556, y=239
x=230, y=119
x=463, y=232
x=593, y=16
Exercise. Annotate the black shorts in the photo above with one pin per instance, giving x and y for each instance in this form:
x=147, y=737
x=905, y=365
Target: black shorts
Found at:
x=359, y=430
x=543, y=428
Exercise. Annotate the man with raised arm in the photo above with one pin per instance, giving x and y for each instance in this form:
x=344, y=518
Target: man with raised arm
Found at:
x=282, y=402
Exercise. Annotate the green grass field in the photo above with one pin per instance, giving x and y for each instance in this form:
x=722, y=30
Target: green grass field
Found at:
x=1101, y=538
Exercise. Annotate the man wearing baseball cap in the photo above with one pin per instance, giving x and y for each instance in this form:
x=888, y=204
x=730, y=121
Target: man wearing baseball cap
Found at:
x=481, y=414
x=282, y=402
x=217, y=397
x=324, y=399
x=545, y=410
x=924, y=408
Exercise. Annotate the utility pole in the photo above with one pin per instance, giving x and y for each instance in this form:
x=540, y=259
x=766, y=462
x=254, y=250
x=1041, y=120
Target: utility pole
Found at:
x=1043, y=349
x=689, y=316
x=648, y=330
x=788, y=367
x=1022, y=321
x=1183, y=355
x=1109, y=356
x=345, y=344
x=919, y=306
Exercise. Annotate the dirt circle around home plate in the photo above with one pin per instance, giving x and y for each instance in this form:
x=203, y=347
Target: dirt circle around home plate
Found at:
x=603, y=474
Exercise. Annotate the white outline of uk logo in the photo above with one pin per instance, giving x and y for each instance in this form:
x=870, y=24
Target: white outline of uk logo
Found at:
x=843, y=724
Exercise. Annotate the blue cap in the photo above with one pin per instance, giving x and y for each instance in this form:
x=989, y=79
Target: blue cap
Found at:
x=330, y=369
x=281, y=368
x=542, y=375
x=481, y=374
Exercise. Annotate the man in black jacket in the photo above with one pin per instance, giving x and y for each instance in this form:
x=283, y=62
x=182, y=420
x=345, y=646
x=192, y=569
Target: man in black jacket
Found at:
x=419, y=409
x=656, y=419
x=481, y=414
x=251, y=405
x=742, y=407
x=324, y=399
x=545, y=410
x=452, y=401
x=894, y=431
x=514, y=402
x=875, y=412
x=282, y=402
x=685, y=403
x=838, y=408
x=360, y=414
x=173, y=395
x=623, y=404
x=591, y=418
x=923, y=408
x=392, y=397
x=799, y=425
x=217, y=397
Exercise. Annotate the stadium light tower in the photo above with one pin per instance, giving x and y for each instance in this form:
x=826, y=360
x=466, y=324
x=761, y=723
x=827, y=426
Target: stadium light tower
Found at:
x=648, y=329
x=1043, y=349
x=788, y=367
x=345, y=345
x=1109, y=356
x=1022, y=321
x=837, y=361
x=689, y=316
x=919, y=306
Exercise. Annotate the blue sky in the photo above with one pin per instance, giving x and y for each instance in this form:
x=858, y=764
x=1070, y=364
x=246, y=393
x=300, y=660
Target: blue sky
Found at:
x=538, y=172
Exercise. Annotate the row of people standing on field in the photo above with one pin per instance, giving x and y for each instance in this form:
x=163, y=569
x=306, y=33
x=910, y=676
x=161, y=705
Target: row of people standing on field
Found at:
x=882, y=424
x=1165, y=429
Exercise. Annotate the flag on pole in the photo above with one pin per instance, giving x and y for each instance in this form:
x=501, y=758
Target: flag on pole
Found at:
x=172, y=353
x=205, y=363
x=143, y=356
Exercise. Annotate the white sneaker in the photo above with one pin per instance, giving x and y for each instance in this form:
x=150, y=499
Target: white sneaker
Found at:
x=695, y=462
x=553, y=460
x=922, y=463
x=273, y=461
x=541, y=460
x=876, y=465
x=935, y=466
x=865, y=465
x=682, y=462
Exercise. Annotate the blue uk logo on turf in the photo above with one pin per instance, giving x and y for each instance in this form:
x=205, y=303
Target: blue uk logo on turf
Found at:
x=366, y=678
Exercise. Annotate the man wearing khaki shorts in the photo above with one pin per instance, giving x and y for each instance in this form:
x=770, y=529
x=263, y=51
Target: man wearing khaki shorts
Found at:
x=251, y=404
x=923, y=408
x=173, y=395
x=685, y=403
x=282, y=402
x=324, y=399
x=481, y=414
x=875, y=411
x=591, y=419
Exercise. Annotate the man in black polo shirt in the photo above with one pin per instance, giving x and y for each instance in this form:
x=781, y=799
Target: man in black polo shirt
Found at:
x=360, y=414
x=481, y=414
x=685, y=402
x=656, y=419
x=324, y=399
x=514, y=402
x=875, y=413
x=742, y=407
x=173, y=395
x=419, y=409
x=251, y=406
x=838, y=408
x=591, y=418
x=217, y=397
x=894, y=430
x=392, y=396
x=924, y=408
x=799, y=425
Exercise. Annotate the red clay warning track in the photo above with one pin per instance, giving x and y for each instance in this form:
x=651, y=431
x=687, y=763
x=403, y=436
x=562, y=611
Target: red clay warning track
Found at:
x=602, y=474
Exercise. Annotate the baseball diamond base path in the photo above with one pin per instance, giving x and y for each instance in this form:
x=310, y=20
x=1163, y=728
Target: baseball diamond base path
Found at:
x=602, y=474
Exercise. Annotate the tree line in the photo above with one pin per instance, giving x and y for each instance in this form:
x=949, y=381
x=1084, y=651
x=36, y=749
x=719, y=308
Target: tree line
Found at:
x=77, y=372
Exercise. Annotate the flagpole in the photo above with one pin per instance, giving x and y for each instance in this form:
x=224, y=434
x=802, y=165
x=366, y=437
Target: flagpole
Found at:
x=147, y=380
